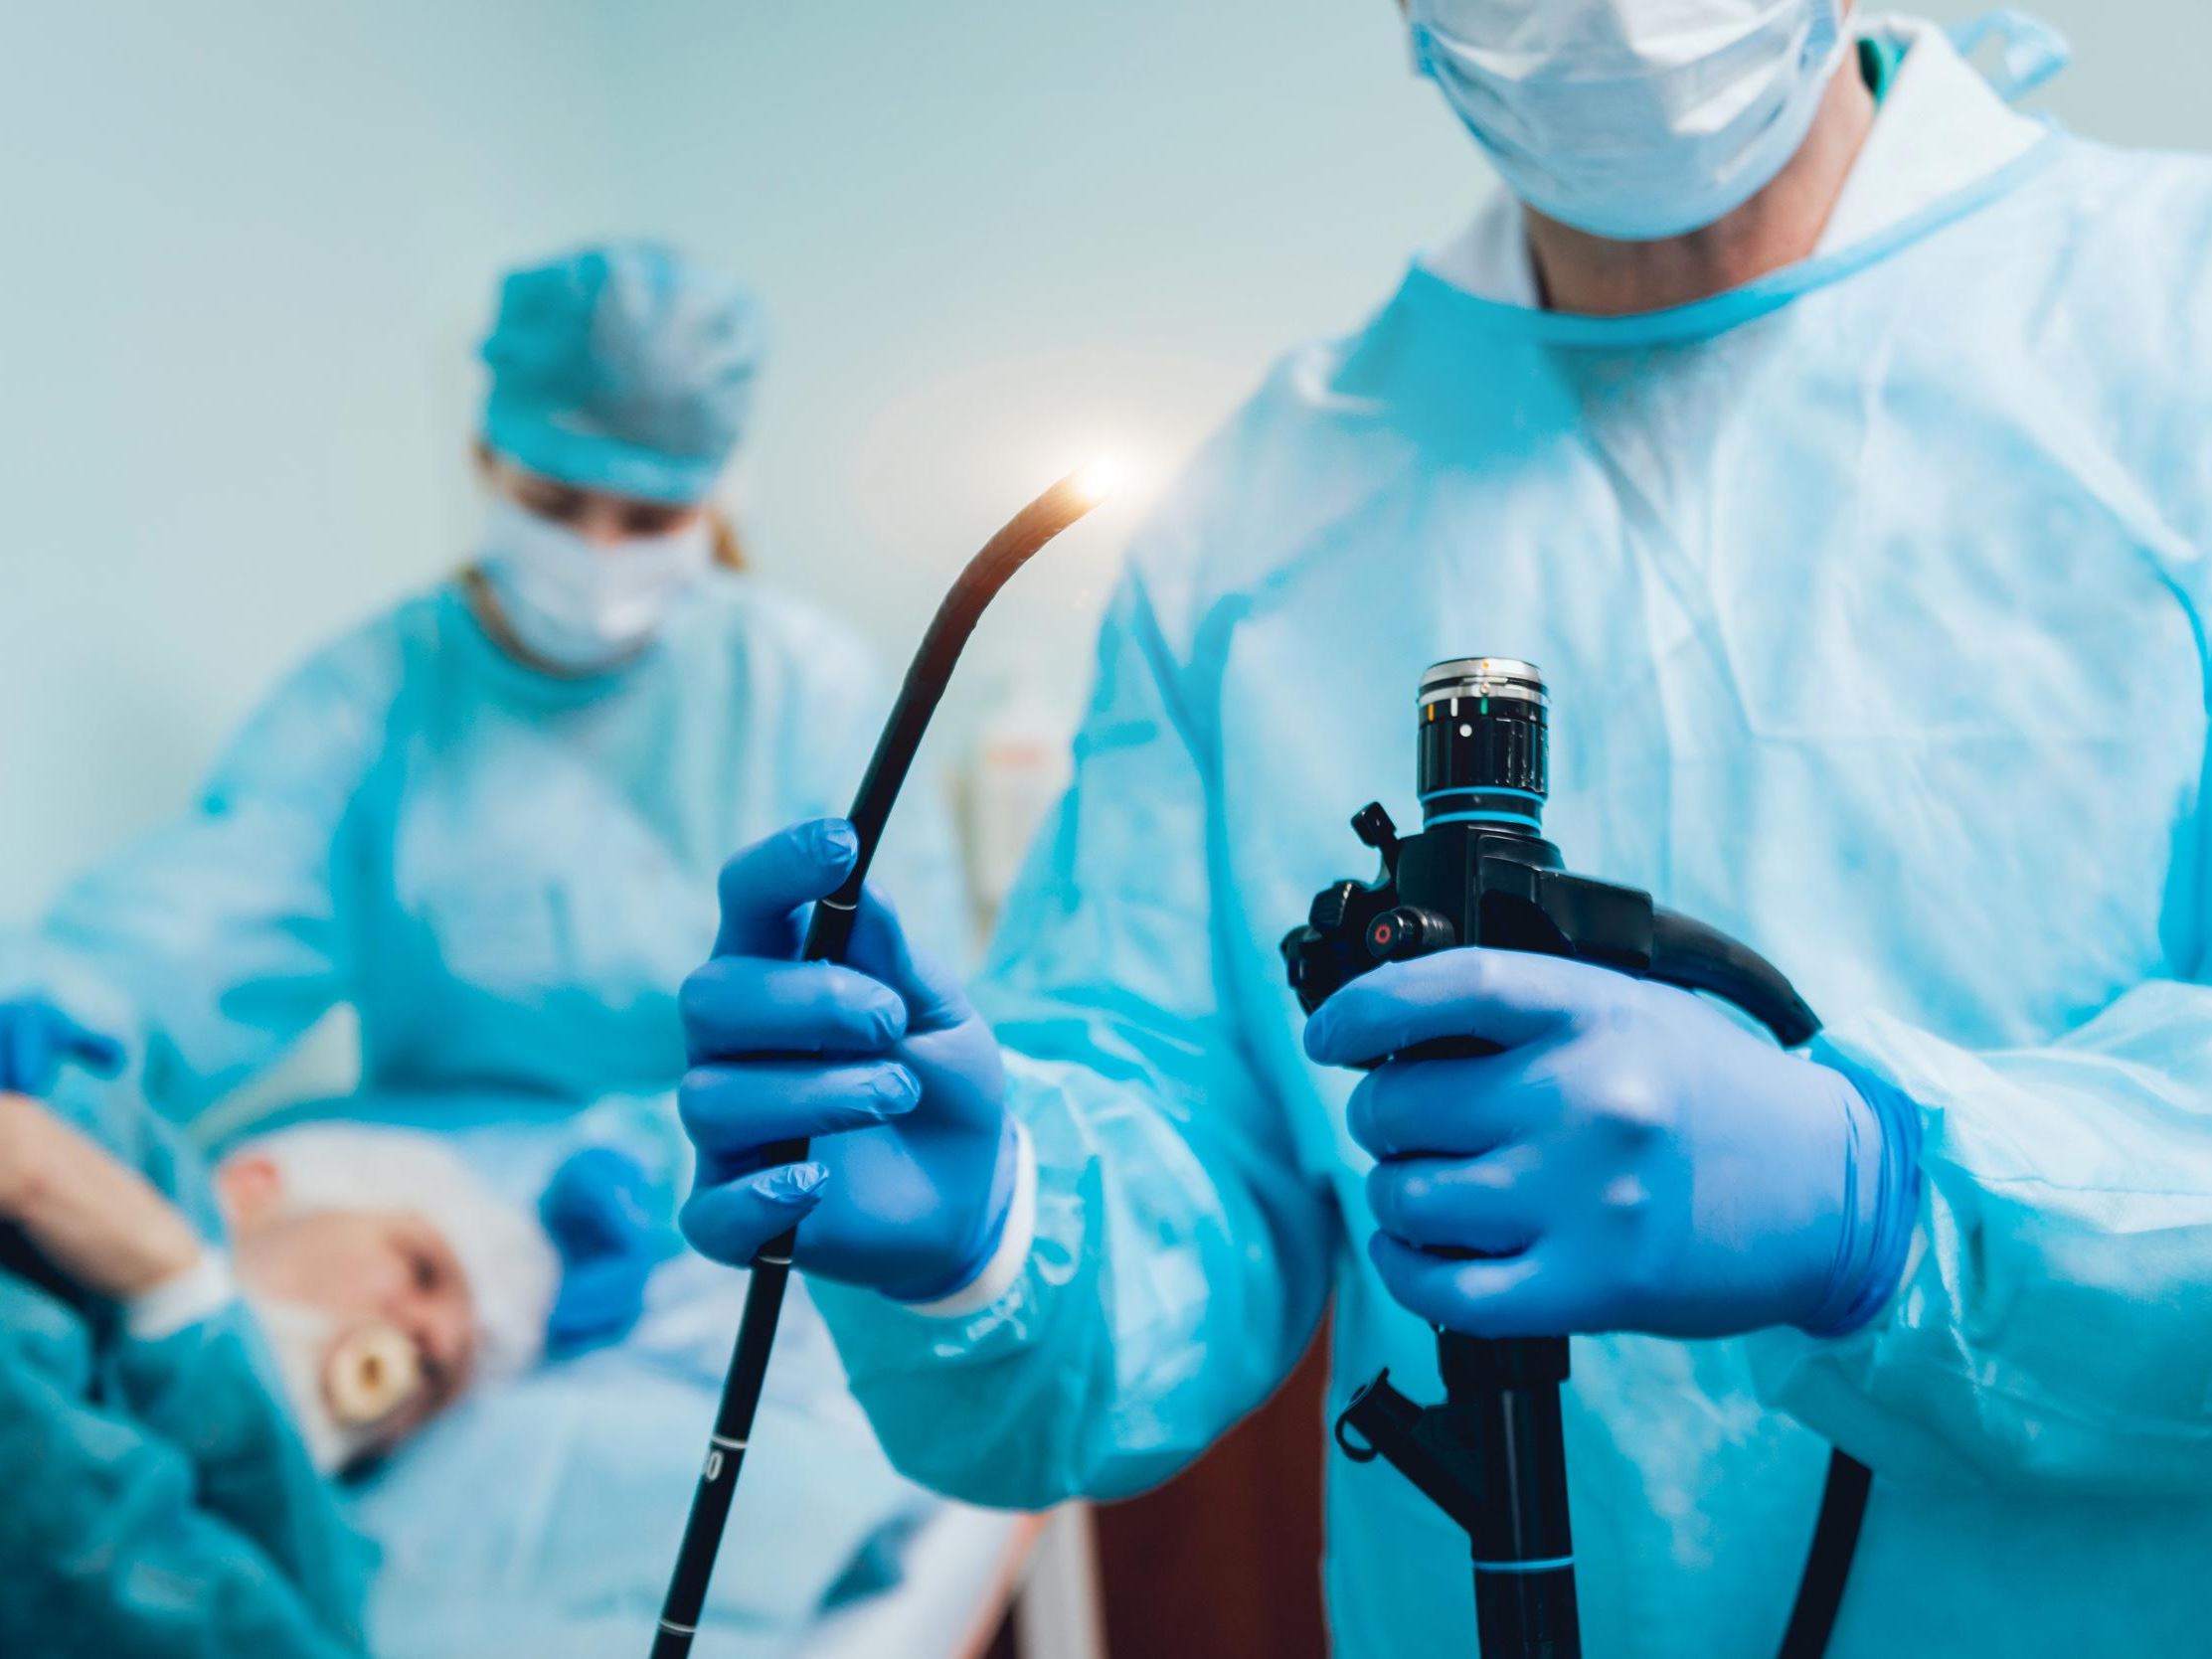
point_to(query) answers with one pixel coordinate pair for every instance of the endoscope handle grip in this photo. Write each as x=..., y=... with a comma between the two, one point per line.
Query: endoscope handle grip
x=1687, y=954
x=1450, y=1047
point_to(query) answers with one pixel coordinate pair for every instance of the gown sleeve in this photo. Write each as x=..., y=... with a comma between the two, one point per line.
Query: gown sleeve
x=1180, y=1258
x=175, y=1519
x=214, y=943
x=2054, y=1324
x=2053, y=1328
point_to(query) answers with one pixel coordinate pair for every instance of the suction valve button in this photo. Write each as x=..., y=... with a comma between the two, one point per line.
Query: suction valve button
x=1407, y=932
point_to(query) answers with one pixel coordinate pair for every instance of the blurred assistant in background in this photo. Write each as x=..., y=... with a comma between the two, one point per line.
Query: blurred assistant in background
x=488, y=821
x=1834, y=438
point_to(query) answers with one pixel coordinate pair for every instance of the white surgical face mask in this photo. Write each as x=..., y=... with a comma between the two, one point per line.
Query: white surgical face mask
x=1633, y=119
x=579, y=606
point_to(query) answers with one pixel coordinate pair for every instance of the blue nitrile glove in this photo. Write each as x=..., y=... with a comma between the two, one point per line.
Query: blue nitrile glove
x=881, y=1061
x=600, y=1212
x=1633, y=1160
x=36, y=1039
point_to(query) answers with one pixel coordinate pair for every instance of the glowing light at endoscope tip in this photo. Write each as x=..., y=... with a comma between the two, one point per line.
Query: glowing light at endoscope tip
x=1097, y=478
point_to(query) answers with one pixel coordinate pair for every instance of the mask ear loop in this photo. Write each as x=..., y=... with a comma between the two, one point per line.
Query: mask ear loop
x=2029, y=51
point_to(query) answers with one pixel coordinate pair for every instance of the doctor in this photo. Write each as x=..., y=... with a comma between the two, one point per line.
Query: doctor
x=1836, y=440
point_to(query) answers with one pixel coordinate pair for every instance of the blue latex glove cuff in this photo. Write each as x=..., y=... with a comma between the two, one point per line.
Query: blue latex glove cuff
x=1882, y=1203
x=1004, y=1174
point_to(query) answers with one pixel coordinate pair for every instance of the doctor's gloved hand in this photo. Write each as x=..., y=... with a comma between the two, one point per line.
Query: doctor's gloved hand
x=36, y=1039
x=879, y=1062
x=1630, y=1160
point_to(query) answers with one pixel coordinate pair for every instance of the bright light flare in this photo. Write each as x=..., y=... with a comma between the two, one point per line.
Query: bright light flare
x=1097, y=480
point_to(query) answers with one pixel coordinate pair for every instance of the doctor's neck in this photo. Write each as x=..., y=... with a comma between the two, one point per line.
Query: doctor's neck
x=1779, y=226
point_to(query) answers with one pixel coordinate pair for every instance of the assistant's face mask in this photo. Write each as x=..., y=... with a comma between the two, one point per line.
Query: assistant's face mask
x=1633, y=120
x=580, y=606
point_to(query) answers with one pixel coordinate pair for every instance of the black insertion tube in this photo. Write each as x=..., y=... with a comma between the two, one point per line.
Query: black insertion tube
x=1503, y=1397
x=827, y=935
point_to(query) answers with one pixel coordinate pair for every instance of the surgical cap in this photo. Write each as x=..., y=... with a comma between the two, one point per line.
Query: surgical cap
x=511, y=1265
x=623, y=369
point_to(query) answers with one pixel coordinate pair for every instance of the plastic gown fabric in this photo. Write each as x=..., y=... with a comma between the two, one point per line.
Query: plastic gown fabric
x=507, y=874
x=1872, y=601
x=159, y=1502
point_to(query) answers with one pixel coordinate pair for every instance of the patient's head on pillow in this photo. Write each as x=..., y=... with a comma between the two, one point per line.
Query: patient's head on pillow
x=387, y=1277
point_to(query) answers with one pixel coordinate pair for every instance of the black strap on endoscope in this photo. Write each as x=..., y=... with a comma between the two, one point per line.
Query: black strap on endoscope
x=1836, y=1535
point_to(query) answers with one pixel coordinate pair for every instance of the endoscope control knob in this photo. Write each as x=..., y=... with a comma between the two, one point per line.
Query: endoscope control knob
x=1331, y=906
x=1373, y=826
x=1407, y=932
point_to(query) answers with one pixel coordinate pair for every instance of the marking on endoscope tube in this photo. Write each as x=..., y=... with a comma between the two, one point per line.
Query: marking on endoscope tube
x=675, y=1629
x=1552, y=1564
x=725, y=1441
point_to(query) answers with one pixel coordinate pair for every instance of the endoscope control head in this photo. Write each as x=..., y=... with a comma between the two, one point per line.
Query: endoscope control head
x=1483, y=744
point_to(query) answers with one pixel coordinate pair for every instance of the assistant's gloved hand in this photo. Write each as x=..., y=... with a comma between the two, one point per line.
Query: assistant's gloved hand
x=36, y=1039
x=608, y=1218
x=882, y=1061
x=1631, y=1160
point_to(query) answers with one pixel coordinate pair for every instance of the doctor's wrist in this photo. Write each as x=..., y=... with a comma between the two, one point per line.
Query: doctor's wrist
x=998, y=1241
x=1881, y=1198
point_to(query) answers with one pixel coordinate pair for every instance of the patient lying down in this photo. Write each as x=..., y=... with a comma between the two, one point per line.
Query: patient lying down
x=383, y=1274
x=164, y=1494
x=371, y=1286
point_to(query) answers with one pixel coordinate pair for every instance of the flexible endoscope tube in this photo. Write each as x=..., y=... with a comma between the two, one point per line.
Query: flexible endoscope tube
x=827, y=935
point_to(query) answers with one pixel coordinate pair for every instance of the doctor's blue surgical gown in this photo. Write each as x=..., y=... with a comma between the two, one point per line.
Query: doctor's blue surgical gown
x=1873, y=599
x=508, y=875
x=155, y=1499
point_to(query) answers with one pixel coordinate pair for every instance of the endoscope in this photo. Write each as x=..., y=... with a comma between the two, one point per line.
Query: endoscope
x=1492, y=1456
x=828, y=932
